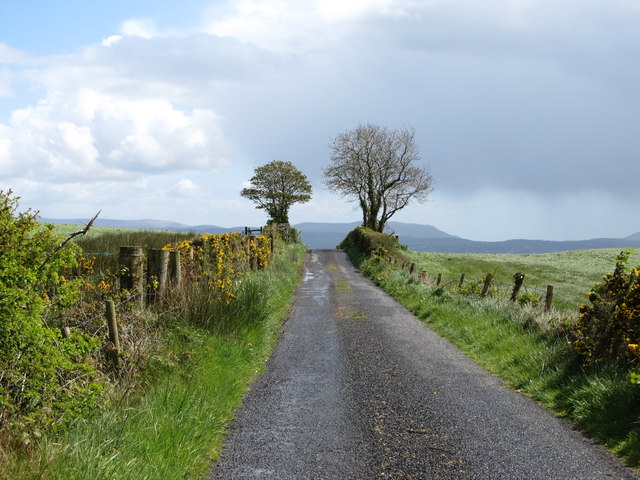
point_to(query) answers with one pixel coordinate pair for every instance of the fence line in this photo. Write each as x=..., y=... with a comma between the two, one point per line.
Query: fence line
x=511, y=290
x=156, y=278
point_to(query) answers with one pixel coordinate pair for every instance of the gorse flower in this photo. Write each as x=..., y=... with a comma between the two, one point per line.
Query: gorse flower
x=221, y=259
x=609, y=327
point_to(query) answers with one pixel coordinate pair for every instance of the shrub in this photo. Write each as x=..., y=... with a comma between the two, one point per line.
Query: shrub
x=529, y=298
x=45, y=379
x=369, y=241
x=283, y=231
x=609, y=327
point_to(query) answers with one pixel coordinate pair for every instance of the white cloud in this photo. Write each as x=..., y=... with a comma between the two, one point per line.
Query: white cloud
x=111, y=40
x=294, y=26
x=10, y=55
x=92, y=135
x=139, y=28
x=339, y=10
x=186, y=187
x=6, y=78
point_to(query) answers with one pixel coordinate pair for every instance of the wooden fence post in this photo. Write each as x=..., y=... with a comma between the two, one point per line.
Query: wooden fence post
x=519, y=280
x=461, y=280
x=130, y=267
x=253, y=256
x=487, y=285
x=439, y=280
x=157, y=263
x=247, y=251
x=175, y=269
x=412, y=267
x=112, y=323
x=549, y=299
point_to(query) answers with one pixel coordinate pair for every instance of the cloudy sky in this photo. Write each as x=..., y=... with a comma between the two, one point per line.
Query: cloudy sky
x=527, y=112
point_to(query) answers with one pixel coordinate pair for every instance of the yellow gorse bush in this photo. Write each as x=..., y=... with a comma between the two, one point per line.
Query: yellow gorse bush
x=220, y=259
x=609, y=326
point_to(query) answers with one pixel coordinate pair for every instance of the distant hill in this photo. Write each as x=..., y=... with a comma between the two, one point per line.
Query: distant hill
x=426, y=238
x=329, y=235
x=461, y=245
x=635, y=236
x=420, y=238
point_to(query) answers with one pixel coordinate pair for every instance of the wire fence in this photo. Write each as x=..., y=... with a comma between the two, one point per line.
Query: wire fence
x=136, y=278
x=482, y=284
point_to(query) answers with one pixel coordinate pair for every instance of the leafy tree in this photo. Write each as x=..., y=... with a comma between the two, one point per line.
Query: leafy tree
x=377, y=168
x=46, y=378
x=275, y=187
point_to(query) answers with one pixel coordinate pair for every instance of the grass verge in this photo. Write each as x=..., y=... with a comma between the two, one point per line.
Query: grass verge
x=174, y=426
x=529, y=351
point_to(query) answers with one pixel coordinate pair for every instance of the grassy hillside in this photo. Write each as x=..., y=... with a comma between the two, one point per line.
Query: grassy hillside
x=573, y=273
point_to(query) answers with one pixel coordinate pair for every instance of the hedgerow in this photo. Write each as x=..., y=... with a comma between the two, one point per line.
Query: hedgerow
x=46, y=379
x=369, y=241
x=52, y=300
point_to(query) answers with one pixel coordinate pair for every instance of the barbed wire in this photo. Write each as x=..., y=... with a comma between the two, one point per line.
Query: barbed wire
x=118, y=305
x=109, y=254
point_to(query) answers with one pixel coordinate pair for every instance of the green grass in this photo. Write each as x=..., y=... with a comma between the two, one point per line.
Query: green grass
x=174, y=426
x=525, y=347
x=66, y=229
x=572, y=274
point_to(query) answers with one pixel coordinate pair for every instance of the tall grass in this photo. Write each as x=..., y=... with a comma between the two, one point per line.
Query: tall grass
x=528, y=349
x=110, y=241
x=173, y=426
x=105, y=244
x=212, y=310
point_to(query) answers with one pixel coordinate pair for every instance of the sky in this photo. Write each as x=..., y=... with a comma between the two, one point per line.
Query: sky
x=526, y=112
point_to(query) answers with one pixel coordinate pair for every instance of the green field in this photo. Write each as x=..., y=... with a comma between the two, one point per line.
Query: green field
x=103, y=243
x=66, y=229
x=572, y=273
x=106, y=239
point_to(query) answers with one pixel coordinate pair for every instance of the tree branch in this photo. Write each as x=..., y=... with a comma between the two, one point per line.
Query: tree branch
x=68, y=239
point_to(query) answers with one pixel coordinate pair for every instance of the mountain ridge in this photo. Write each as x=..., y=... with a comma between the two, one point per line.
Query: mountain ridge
x=417, y=237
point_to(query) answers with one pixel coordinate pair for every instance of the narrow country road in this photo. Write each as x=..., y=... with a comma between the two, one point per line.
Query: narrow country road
x=358, y=388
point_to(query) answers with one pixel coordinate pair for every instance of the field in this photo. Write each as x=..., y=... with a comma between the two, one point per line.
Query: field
x=66, y=229
x=572, y=273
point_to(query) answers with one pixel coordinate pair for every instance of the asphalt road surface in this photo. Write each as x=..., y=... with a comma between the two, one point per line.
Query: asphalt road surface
x=358, y=388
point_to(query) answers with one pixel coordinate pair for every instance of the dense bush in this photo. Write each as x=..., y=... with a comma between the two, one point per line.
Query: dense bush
x=282, y=231
x=609, y=327
x=45, y=379
x=369, y=241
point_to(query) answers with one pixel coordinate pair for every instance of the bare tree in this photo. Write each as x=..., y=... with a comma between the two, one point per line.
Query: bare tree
x=376, y=167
